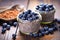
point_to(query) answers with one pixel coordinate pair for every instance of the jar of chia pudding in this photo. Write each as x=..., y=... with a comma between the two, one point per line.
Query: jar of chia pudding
x=47, y=12
x=29, y=22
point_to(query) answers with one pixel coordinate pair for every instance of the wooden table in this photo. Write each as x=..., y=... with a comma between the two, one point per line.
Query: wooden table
x=33, y=3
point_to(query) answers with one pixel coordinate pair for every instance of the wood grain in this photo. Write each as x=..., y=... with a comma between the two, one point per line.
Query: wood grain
x=33, y=3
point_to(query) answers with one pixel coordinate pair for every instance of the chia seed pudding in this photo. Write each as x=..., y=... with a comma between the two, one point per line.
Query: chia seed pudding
x=47, y=12
x=29, y=22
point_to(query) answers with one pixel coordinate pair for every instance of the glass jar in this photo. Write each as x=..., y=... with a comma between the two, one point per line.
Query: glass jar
x=27, y=27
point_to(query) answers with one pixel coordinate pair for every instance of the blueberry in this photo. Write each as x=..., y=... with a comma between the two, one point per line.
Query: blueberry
x=51, y=30
x=44, y=7
x=4, y=25
x=46, y=32
x=29, y=11
x=53, y=25
x=8, y=27
x=40, y=9
x=25, y=12
x=51, y=8
x=55, y=28
x=47, y=6
x=30, y=19
x=35, y=35
x=14, y=36
x=37, y=8
x=34, y=14
x=46, y=28
x=15, y=24
x=21, y=15
x=37, y=17
x=31, y=34
x=43, y=33
x=3, y=30
x=41, y=6
x=25, y=15
x=29, y=15
x=39, y=31
x=50, y=5
x=40, y=34
x=47, y=9
x=34, y=18
x=58, y=21
x=23, y=18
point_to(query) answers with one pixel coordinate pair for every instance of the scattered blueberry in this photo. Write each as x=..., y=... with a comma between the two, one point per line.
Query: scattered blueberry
x=15, y=24
x=58, y=21
x=40, y=34
x=4, y=25
x=3, y=30
x=31, y=34
x=39, y=31
x=46, y=32
x=14, y=36
x=46, y=28
x=53, y=25
x=35, y=35
x=43, y=33
x=8, y=27
x=51, y=30
x=55, y=28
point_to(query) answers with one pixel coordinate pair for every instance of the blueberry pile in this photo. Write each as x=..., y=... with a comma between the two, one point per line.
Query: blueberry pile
x=45, y=7
x=44, y=31
x=28, y=15
x=6, y=26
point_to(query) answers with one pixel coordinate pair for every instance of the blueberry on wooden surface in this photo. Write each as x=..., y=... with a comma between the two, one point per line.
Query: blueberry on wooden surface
x=8, y=27
x=14, y=36
x=15, y=24
x=4, y=25
x=3, y=30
